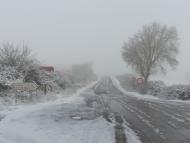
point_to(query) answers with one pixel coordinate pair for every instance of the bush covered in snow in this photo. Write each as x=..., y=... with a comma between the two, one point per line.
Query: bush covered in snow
x=176, y=92
x=9, y=74
x=74, y=77
x=18, y=66
x=63, y=80
x=155, y=87
x=158, y=88
x=33, y=75
x=19, y=56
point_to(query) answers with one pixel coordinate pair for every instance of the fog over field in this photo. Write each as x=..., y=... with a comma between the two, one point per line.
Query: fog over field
x=64, y=32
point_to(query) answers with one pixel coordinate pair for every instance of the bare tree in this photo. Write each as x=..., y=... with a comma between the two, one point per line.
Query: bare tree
x=82, y=73
x=15, y=55
x=151, y=49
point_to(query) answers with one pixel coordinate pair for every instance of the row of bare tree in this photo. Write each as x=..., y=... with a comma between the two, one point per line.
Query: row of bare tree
x=21, y=59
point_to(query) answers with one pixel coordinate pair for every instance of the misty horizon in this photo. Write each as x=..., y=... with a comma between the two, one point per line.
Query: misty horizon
x=62, y=33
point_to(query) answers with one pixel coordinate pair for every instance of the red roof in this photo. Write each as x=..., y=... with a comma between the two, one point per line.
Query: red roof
x=47, y=68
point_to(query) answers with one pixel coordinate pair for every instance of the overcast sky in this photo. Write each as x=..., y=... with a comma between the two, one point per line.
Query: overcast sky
x=64, y=32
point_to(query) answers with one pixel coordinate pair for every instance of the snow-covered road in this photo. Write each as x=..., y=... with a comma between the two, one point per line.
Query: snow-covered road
x=153, y=120
x=67, y=120
x=78, y=118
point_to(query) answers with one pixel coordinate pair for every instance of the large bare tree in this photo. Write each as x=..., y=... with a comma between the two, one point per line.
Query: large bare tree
x=16, y=56
x=152, y=49
x=19, y=57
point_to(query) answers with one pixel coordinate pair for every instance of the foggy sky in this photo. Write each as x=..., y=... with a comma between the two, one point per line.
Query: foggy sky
x=64, y=32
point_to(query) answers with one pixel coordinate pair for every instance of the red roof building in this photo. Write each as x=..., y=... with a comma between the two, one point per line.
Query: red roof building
x=47, y=68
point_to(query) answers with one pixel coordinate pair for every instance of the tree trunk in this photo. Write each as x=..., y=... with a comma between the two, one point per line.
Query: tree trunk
x=145, y=86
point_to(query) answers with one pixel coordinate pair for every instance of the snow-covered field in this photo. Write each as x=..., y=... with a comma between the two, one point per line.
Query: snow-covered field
x=59, y=121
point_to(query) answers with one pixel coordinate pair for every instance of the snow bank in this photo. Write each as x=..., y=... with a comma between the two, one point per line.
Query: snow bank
x=133, y=94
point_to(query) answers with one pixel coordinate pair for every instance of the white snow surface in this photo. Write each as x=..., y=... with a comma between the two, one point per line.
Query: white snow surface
x=134, y=94
x=53, y=122
x=131, y=136
x=145, y=96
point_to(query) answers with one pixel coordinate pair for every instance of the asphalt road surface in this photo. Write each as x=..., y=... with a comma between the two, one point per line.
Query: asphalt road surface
x=154, y=121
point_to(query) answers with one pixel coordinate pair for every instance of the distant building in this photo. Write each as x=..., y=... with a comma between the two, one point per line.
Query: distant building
x=49, y=69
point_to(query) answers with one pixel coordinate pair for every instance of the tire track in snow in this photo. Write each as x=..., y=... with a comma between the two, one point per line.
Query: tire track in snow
x=175, y=115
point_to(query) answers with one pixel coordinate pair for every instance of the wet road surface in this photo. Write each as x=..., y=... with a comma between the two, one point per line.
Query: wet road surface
x=154, y=121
